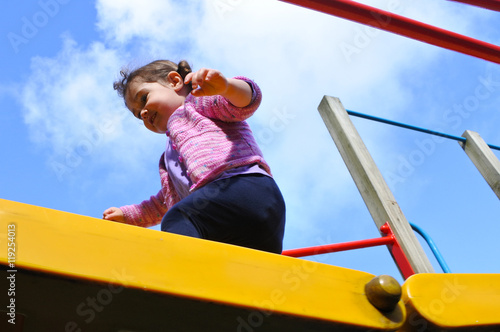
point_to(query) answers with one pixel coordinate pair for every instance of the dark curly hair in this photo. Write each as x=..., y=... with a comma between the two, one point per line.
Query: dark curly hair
x=155, y=71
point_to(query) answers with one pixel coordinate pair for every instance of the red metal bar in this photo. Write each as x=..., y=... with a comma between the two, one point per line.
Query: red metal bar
x=404, y=26
x=488, y=4
x=324, y=249
x=389, y=239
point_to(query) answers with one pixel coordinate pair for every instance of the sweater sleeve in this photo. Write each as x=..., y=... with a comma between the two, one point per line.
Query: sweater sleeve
x=218, y=107
x=146, y=214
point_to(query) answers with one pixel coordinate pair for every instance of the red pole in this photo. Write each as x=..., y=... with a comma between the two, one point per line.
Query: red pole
x=404, y=26
x=488, y=4
x=324, y=249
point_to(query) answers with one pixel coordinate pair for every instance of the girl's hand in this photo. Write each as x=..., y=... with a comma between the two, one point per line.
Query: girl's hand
x=114, y=214
x=210, y=82
x=207, y=82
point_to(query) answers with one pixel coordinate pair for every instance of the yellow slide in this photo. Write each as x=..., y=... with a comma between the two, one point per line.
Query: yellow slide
x=66, y=272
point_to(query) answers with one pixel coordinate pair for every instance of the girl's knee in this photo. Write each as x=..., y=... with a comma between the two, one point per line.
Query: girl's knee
x=177, y=222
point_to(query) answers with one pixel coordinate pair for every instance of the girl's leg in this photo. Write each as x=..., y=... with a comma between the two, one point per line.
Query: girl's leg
x=246, y=210
x=177, y=221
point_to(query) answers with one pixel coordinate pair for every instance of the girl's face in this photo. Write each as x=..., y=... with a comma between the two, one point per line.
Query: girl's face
x=154, y=102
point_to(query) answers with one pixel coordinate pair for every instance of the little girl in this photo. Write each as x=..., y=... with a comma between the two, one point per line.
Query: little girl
x=215, y=183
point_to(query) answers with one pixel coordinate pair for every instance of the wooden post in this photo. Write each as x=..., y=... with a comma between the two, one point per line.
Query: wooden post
x=372, y=186
x=484, y=159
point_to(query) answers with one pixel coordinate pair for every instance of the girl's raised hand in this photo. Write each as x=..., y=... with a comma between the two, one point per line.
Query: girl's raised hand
x=210, y=82
x=207, y=82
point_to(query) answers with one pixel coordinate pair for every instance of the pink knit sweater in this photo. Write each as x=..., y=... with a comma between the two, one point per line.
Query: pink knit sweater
x=211, y=136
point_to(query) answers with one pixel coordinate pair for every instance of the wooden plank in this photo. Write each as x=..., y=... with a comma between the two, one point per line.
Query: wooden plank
x=76, y=273
x=372, y=186
x=484, y=159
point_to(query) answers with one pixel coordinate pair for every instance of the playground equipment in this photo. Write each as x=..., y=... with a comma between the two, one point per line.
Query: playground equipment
x=66, y=272
x=76, y=273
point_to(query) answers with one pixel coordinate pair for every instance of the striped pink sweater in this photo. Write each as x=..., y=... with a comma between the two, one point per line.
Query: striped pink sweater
x=211, y=136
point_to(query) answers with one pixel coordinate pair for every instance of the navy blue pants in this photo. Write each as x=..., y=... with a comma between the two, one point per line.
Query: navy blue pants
x=245, y=210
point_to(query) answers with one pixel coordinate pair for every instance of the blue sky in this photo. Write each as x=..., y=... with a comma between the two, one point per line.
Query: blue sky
x=69, y=144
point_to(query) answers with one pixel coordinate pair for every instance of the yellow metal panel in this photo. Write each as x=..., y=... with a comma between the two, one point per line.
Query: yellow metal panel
x=76, y=247
x=452, y=301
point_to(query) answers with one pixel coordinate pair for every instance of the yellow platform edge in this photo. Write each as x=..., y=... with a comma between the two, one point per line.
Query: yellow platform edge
x=87, y=248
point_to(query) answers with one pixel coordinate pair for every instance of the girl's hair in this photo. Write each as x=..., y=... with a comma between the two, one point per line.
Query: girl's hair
x=155, y=71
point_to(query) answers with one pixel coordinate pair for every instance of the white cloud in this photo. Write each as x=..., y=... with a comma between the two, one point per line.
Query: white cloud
x=149, y=27
x=125, y=20
x=71, y=108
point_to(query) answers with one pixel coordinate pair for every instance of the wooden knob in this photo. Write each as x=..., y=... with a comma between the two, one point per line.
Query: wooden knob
x=383, y=292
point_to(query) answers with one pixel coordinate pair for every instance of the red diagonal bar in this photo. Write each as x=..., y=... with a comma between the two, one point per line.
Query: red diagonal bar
x=398, y=255
x=488, y=4
x=404, y=26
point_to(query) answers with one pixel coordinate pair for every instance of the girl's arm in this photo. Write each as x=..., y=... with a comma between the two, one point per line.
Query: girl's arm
x=210, y=82
x=238, y=93
x=146, y=214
